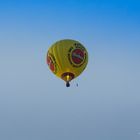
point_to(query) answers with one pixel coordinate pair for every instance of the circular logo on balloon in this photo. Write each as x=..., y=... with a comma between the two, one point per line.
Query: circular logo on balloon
x=77, y=55
x=51, y=62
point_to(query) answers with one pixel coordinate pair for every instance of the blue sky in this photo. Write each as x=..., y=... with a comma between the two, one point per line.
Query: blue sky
x=34, y=104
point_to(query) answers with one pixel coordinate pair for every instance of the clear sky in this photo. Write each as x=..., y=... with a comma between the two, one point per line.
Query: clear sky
x=35, y=105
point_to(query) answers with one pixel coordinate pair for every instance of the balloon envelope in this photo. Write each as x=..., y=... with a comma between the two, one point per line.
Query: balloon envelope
x=67, y=59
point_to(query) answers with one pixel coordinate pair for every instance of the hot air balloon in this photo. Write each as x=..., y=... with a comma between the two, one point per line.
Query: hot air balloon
x=67, y=59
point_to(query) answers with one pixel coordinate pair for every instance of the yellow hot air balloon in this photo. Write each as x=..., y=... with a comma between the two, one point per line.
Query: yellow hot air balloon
x=67, y=59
